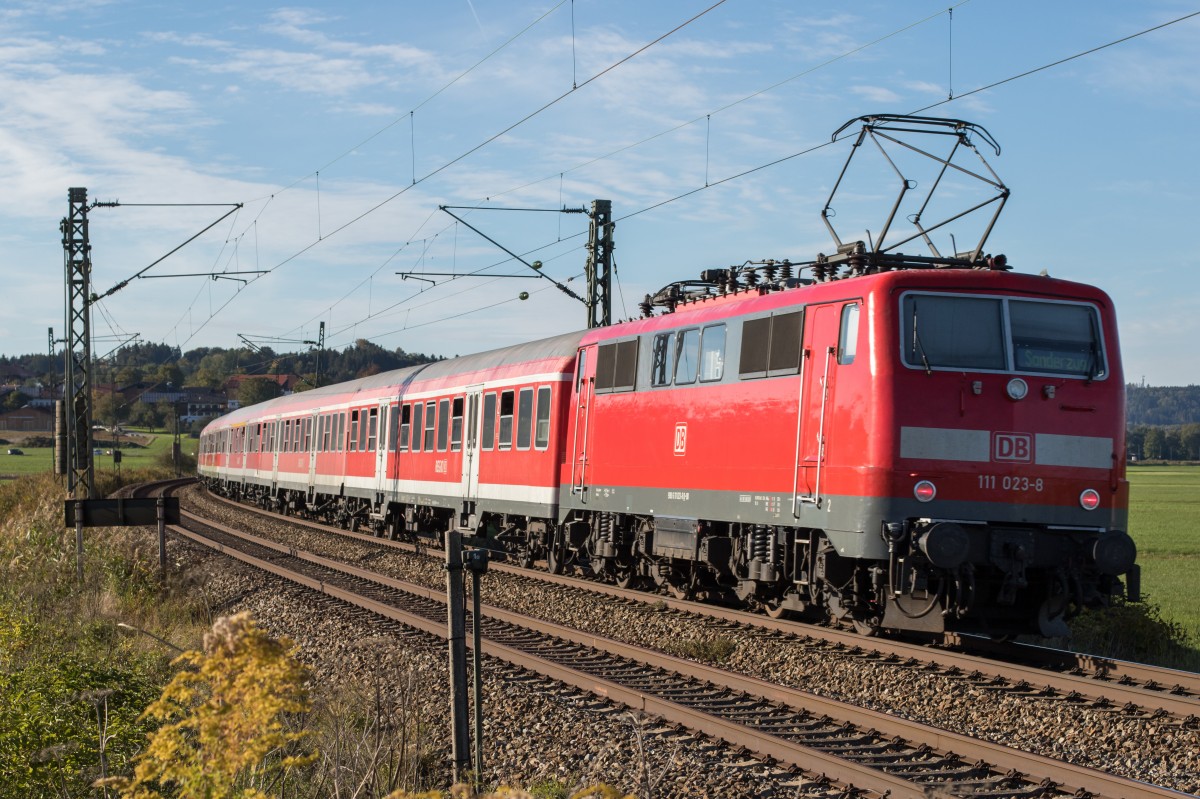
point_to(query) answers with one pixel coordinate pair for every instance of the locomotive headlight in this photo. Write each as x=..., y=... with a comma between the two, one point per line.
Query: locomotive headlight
x=924, y=491
x=1090, y=499
x=1017, y=389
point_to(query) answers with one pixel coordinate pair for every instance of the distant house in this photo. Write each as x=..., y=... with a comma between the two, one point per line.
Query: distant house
x=162, y=392
x=28, y=420
x=286, y=383
x=203, y=403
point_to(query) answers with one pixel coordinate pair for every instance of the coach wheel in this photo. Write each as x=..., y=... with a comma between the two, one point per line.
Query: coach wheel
x=525, y=558
x=354, y=524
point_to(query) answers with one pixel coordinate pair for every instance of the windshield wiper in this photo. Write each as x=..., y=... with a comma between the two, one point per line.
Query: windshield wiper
x=917, y=346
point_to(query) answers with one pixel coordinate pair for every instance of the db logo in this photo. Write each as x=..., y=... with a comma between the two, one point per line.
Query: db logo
x=681, y=438
x=1015, y=447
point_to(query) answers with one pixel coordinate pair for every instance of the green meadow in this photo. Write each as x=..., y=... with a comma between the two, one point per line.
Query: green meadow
x=1164, y=520
x=138, y=451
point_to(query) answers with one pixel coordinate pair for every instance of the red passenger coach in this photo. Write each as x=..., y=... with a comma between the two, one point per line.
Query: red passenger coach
x=897, y=442
x=416, y=449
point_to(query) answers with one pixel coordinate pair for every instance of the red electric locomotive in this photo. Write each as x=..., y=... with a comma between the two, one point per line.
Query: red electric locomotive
x=908, y=443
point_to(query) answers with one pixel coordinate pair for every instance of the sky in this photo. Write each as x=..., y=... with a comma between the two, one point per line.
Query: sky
x=341, y=128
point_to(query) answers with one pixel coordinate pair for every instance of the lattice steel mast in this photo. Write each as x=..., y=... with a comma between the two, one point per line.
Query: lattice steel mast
x=77, y=355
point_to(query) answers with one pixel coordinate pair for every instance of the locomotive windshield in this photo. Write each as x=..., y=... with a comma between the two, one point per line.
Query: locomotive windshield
x=953, y=331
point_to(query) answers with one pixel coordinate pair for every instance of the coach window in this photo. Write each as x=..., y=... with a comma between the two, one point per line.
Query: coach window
x=489, y=420
x=429, y=426
x=524, y=418
x=394, y=427
x=541, y=438
x=662, y=364
x=506, y=419
x=712, y=354
x=418, y=415
x=456, y=425
x=341, y=431
x=288, y=427
x=687, y=356
x=353, y=431
x=443, y=424
x=848, y=337
x=405, y=426
x=372, y=430
x=362, y=430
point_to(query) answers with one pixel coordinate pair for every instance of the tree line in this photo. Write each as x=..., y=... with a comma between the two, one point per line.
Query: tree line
x=210, y=367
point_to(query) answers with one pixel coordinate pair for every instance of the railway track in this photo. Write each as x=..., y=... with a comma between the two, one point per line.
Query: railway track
x=868, y=751
x=1135, y=688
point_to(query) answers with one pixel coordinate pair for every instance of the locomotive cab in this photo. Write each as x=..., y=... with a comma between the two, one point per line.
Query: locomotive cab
x=1009, y=501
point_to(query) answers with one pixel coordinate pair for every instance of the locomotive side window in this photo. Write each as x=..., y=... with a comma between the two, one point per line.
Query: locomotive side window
x=687, y=356
x=524, y=418
x=541, y=438
x=626, y=372
x=489, y=420
x=848, y=337
x=372, y=430
x=456, y=425
x=405, y=427
x=582, y=369
x=616, y=366
x=418, y=415
x=663, y=359
x=429, y=426
x=353, y=431
x=785, y=343
x=712, y=354
x=756, y=338
x=1055, y=338
x=506, y=419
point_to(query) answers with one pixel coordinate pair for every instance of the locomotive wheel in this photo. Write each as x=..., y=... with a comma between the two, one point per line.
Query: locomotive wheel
x=555, y=558
x=867, y=627
x=774, y=608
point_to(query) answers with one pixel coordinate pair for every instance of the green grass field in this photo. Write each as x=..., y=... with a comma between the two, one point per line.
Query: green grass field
x=1164, y=520
x=40, y=459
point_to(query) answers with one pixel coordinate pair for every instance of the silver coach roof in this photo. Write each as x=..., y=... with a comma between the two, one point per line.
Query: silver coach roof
x=563, y=346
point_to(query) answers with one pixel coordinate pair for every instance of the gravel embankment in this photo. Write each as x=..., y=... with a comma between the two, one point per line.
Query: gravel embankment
x=1150, y=750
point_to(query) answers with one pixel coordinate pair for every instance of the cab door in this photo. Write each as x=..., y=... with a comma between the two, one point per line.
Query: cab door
x=581, y=439
x=819, y=373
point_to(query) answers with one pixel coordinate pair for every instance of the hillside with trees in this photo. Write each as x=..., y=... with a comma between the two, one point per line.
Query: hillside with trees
x=210, y=367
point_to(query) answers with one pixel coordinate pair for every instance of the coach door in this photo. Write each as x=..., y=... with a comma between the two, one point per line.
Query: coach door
x=470, y=455
x=818, y=372
x=377, y=422
x=310, y=441
x=585, y=384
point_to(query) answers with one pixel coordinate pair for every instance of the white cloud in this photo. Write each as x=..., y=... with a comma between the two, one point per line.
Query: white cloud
x=876, y=94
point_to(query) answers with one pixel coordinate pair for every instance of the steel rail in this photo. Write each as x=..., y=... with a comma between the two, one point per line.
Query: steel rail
x=1000, y=757
x=1090, y=677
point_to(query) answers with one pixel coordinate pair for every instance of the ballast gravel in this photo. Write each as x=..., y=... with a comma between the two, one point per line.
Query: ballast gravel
x=536, y=731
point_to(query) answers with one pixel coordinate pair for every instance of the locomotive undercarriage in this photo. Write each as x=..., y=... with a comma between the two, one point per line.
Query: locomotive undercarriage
x=938, y=575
